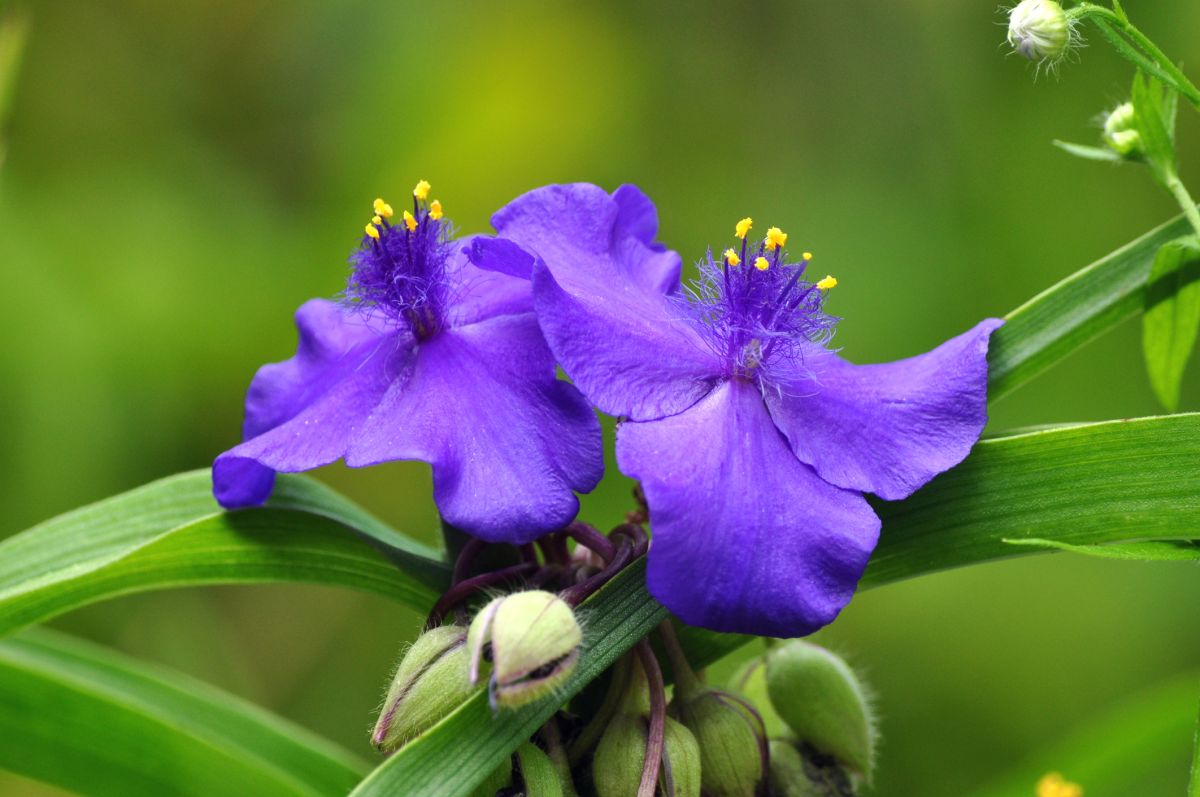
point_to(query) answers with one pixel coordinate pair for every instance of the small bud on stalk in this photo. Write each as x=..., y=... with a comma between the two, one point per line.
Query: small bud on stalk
x=621, y=754
x=430, y=682
x=1120, y=131
x=532, y=639
x=1039, y=30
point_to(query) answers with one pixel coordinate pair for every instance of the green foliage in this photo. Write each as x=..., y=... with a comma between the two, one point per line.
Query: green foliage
x=94, y=722
x=1172, y=316
x=171, y=533
x=1139, y=551
x=1089, y=153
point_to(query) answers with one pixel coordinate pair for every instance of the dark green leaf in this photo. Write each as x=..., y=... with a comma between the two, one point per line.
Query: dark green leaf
x=460, y=751
x=1064, y=317
x=1136, y=551
x=171, y=533
x=94, y=722
x=1194, y=788
x=1172, y=316
x=1089, y=153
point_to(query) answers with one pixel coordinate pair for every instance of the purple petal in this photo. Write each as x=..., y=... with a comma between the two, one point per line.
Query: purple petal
x=300, y=412
x=636, y=215
x=888, y=429
x=477, y=294
x=746, y=538
x=508, y=442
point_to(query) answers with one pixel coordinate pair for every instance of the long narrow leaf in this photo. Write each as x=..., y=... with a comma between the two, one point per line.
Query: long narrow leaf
x=94, y=722
x=1172, y=316
x=171, y=533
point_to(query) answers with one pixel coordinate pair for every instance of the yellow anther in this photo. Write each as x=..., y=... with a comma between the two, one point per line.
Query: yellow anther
x=1054, y=785
x=731, y=257
x=422, y=190
x=435, y=210
x=743, y=227
x=761, y=263
x=807, y=255
x=371, y=231
x=827, y=283
x=383, y=209
x=409, y=221
x=776, y=238
x=376, y=220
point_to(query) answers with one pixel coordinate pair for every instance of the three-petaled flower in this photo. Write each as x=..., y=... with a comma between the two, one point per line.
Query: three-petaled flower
x=753, y=441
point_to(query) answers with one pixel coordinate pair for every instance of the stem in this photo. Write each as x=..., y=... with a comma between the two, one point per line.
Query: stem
x=465, y=589
x=656, y=736
x=1180, y=192
x=589, y=737
x=686, y=680
x=590, y=537
x=558, y=756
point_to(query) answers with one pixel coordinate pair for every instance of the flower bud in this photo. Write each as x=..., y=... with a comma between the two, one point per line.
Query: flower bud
x=430, y=682
x=621, y=754
x=533, y=641
x=822, y=701
x=801, y=772
x=538, y=772
x=1039, y=30
x=1120, y=131
x=501, y=778
x=730, y=742
x=750, y=681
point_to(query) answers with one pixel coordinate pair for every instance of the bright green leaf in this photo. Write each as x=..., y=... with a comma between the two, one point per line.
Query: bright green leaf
x=1136, y=551
x=94, y=722
x=1194, y=788
x=1172, y=316
x=171, y=533
x=1148, y=97
x=1089, y=153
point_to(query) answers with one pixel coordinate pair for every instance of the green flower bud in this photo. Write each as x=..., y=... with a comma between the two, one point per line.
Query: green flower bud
x=538, y=772
x=533, y=641
x=430, y=682
x=799, y=772
x=621, y=754
x=730, y=741
x=822, y=701
x=500, y=779
x=1120, y=131
x=750, y=681
x=1039, y=30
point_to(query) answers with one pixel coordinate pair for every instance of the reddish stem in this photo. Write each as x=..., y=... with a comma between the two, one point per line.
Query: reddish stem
x=468, y=587
x=656, y=736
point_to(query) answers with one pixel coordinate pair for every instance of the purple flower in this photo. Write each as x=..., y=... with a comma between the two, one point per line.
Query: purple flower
x=430, y=358
x=753, y=441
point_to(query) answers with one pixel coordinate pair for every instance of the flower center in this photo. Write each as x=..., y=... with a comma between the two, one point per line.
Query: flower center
x=755, y=308
x=399, y=268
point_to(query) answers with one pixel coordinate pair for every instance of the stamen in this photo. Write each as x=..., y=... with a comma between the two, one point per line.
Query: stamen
x=376, y=220
x=807, y=256
x=776, y=239
x=422, y=190
x=383, y=209
x=371, y=231
x=410, y=221
x=761, y=263
x=731, y=258
x=743, y=227
x=435, y=210
x=827, y=283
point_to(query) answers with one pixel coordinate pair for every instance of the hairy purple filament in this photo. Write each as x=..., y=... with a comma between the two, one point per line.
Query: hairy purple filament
x=757, y=319
x=402, y=273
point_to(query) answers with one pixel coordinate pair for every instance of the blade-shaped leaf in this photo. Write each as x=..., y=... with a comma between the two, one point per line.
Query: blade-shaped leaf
x=1067, y=315
x=1137, y=551
x=94, y=722
x=1089, y=153
x=455, y=755
x=171, y=533
x=1172, y=316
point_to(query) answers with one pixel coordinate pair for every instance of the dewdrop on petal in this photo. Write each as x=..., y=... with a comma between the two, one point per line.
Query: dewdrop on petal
x=1120, y=131
x=1039, y=30
x=533, y=641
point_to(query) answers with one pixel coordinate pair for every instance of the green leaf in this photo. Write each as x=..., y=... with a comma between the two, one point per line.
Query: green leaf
x=1149, y=102
x=1172, y=316
x=1089, y=153
x=458, y=753
x=1064, y=317
x=1194, y=788
x=171, y=533
x=86, y=719
x=1137, y=551
x=1126, y=750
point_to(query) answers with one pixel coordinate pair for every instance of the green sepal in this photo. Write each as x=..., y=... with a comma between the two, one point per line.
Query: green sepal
x=538, y=772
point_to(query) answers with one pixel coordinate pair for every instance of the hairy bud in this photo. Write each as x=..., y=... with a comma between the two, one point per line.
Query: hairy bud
x=730, y=739
x=802, y=772
x=533, y=641
x=1039, y=30
x=430, y=682
x=1120, y=131
x=822, y=701
x=538, y=772
x=617, y=766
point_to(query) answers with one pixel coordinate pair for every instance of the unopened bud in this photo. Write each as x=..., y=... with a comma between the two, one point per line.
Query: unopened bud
x=1120, y=131
x=750, y=681
x=533, y=641
x=621, y=754
x=430, y=682
x=538, y=772
x=1039, y=30
x=801, y=772
x=730, y=738
x=500, y=779
x=822, y=701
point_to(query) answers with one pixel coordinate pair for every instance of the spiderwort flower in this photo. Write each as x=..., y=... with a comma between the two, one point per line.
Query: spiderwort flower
x=754, y=442
x=429, y=358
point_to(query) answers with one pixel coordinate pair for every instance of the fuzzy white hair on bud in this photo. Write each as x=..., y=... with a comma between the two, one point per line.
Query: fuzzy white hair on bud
x=1041, y=31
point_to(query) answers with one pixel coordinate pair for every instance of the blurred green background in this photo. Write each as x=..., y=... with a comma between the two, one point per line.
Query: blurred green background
x=180, y=176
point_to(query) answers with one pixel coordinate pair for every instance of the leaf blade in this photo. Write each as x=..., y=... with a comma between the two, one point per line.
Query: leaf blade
x=1171, y=319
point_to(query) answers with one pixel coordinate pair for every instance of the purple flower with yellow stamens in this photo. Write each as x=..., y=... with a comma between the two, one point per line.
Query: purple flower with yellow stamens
x=426, y=357
x=754, y=441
